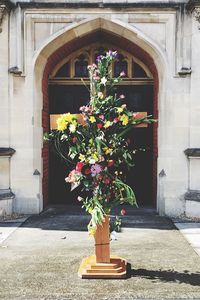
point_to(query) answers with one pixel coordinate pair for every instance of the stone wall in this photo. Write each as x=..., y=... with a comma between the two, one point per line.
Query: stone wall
x=166, y=31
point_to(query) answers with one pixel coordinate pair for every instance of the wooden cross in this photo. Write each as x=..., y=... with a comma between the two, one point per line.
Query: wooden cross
x=54, y=117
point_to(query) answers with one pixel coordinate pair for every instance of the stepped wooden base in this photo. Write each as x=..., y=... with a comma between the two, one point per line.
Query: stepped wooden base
x=116, y=269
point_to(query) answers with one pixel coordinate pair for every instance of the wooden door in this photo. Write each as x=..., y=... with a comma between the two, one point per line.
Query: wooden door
x=68, y=98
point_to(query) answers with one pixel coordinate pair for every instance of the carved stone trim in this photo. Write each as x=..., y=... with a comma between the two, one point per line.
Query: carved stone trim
x=194, y=7
x=196, y=13
x=3, y=10
x=192, y=195
x=6, y=151
x=5, y=6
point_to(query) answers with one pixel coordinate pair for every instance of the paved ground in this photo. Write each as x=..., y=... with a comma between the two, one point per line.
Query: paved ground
x=40, y=260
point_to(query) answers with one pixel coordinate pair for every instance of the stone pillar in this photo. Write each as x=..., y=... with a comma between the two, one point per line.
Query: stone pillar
x=6, y=195
x=192, y=197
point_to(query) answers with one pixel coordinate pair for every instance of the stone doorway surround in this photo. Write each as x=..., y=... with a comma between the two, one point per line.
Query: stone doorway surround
x=70, y=47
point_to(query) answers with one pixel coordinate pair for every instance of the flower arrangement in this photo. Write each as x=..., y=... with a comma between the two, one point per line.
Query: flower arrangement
x=97, y=146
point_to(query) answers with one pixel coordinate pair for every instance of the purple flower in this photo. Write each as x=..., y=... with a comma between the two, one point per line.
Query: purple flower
x=96, y=169
x=99, y=58
x=113, y=54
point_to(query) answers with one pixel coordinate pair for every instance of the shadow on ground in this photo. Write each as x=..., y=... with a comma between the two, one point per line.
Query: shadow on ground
x=165, y=275
x=74, y=218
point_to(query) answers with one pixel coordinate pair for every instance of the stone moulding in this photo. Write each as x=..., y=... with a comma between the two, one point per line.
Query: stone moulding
x=196, y=13
x=100, y=4
x=194, y=7
x=192, y=152
x=192, y=195
x=6, y=151
x=7, y=194
x=5, y=6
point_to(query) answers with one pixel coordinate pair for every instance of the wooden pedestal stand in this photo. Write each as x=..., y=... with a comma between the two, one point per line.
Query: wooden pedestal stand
x=102, y=265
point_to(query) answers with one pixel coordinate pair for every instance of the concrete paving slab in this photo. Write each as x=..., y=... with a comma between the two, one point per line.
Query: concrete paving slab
x=193, y=239
x=42, y=257
x=9, y=226
x=191, y=232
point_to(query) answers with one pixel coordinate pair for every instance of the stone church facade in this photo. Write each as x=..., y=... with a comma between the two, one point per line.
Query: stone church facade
x=38, y=38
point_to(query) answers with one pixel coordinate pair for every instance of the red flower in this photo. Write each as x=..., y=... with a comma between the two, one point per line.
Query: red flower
x=123, y=212
x=79, y=166
x=99, y=125
x=87, y=171
x=107, y=181
x=110, y=163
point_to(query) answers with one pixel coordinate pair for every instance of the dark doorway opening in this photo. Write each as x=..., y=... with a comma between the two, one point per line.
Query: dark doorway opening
x=139, y=98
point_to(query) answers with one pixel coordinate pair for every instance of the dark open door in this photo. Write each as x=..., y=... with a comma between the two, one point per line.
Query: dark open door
x=68, y=98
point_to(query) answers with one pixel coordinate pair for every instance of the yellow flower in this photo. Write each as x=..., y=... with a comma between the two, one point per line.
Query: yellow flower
x=90, y=210
x=81, y=157
x=107, y=124
x=63, y=120
x=120, y=109
x=107, y=150
x=124, y=119
x=95, y=156
x=68, y=117
x=61, y=124
x=92, y=119
x=92, y=231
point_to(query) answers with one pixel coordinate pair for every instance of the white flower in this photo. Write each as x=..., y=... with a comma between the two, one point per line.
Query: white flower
x=72, y=128
x=92, y=161
x=104, y=80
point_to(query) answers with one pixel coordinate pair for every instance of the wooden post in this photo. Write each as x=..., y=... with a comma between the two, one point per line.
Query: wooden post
x=102, y=242
x=103, y=265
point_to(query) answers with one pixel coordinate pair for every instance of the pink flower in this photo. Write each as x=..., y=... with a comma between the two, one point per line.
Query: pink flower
x=71, y=177
x=135, y=115
x=101, y=117
x=89, y=67
x=100, y=95
x=123, y=212
x=96, y=78
x=107, y=181
x=79, y=166
x=121, y=96
x=122, y=74
x=74, y=140
x=116, y=120
x=96, y=169
x=80, y=199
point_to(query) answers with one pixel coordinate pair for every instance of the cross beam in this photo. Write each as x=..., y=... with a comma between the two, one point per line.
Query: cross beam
x=54, y=117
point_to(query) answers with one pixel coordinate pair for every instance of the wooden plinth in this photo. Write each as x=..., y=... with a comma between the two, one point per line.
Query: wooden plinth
x=115, y=269
x=102, y=265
